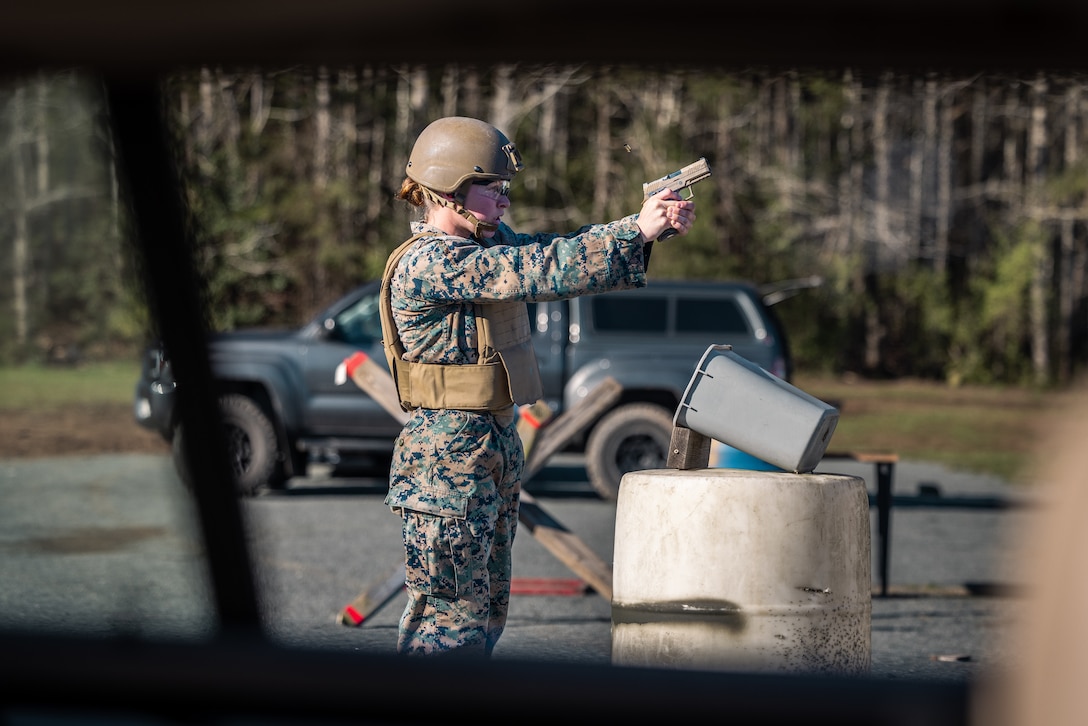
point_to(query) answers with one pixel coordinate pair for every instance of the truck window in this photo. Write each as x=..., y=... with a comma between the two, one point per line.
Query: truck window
x=710, y=315
x=361, y=323
x=630, y=314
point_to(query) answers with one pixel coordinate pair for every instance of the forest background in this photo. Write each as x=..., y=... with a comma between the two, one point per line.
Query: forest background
x=944, y=215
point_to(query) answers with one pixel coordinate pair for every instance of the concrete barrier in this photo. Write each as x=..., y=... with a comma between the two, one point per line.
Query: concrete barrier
x=725, y=569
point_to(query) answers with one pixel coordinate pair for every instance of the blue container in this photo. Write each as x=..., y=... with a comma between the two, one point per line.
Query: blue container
x=724, y=456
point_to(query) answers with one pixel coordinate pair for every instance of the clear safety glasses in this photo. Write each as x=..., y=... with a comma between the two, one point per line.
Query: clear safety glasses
x=494, y=189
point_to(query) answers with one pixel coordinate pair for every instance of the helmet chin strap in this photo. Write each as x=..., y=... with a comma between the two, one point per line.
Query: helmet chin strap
x=478, y=225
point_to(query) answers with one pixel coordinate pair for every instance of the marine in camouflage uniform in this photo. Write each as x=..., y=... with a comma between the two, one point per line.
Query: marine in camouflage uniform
x=456, y=473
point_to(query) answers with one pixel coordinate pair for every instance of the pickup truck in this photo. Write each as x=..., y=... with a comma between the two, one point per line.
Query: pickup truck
x=283, y=410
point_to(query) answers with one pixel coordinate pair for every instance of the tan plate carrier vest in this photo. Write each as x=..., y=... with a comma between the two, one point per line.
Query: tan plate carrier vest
x=506, y=372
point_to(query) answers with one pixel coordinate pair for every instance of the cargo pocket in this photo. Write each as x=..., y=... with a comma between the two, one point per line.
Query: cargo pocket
x=429, y=557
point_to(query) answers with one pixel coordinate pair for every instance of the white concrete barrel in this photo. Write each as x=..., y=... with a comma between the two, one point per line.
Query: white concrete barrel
x=728, y=569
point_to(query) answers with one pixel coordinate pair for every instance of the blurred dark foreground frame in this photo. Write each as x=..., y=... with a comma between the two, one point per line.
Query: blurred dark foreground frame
x=247, y=679
x=241, y=674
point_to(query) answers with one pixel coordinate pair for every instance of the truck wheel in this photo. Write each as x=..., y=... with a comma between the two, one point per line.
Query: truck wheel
x=251, y=446
x=629, y=438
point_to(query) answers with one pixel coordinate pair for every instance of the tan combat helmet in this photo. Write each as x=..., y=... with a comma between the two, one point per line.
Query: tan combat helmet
x=456, y=149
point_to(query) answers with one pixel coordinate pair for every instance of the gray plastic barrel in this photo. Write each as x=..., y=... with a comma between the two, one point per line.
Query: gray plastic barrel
x=732, y=400
x=725, y=569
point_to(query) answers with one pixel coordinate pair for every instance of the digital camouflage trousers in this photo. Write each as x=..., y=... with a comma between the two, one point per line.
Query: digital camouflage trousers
x=454, y=480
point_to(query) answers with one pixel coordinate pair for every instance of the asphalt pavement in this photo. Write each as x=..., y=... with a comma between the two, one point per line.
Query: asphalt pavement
x=108, y=545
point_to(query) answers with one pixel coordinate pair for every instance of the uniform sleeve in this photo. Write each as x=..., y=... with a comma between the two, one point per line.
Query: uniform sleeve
x=530, y=267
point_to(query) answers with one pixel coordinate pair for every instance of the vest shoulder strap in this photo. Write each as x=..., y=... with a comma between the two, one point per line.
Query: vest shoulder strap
x=391, y=342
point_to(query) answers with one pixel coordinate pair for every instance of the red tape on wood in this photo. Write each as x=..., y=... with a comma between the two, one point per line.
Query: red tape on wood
x=547, y=586
x=354, y=362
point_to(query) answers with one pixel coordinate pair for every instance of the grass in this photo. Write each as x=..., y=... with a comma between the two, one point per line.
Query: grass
x=990, y=430
x=51, y=388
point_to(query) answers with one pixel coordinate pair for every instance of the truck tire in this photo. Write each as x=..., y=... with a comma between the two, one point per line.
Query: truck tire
x=632, y=437
x=252, y=447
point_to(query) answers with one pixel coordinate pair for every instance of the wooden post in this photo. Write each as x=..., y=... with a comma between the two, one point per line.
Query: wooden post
x=688, y=449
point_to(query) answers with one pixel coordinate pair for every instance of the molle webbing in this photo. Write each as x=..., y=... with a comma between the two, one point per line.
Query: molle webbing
x=503, y=330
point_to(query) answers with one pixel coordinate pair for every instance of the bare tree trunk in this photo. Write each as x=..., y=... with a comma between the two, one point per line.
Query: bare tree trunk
x=409, y=106
x=260, y=108
x=779, y=132
x=322, y=130
x=115, y=195
x=1067, y=263
x=547, y=130
x=1010, y=157
x=503, y=108
x=562, y=134
x=867, y=269
x=377, y=134
x=41, y=136
x=1077, y=260
x=420, y=92
x=450, y=90
x=1067, y=301
x=882, y=162
x=759, y=133
x=344, y=167
x=918, y=147
x=185, y=122
x=404, y=132
x=931, y=130
x=203, y=127
x=553, y=139
x=945, y=133
x=320, y=179
x=725, y=193
x=602, y=162
x=668, y=100
x=784, y=141
x=21, y=242
x=856, y=167
x=979, y=121
x=1040, y=331
x=796, y=154
x=854, y=245
x=231, y=124
x=45, y=236
x=471, y=93
x=847, y=201
x=260, y=104
x=976, y=181
x=374, y=174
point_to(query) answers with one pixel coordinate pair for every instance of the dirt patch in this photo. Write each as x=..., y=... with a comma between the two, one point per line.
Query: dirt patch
x=75, y=430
